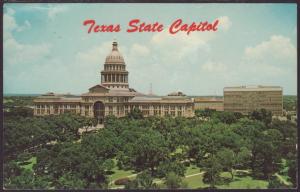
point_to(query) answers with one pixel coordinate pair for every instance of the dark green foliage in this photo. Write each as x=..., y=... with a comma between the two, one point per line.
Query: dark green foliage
x=262, y=115
x=166, y=167
x=30, y=133
x=135, y=114
x=212, y=167
x=290, y=102
x=204, y=113
x=152, y=146
x=174, y=181
x=274, y=183
x=18, y=112
x=145, y=181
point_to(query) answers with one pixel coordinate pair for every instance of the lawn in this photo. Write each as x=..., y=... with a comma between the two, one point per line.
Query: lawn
x=195, y=182
x=192, y=169
x=31, y=162
x=243, y=182
x=194, y=178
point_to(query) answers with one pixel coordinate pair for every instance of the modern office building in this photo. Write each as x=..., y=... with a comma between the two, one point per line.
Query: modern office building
x=245, y=99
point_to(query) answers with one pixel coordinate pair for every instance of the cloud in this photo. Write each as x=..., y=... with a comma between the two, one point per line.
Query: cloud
x=20, y=54
x=53, y=11
x=10, y=24
x=139, y=50
x=224, y=23
x=213, y=67
x=16, y=53
x=278, y=47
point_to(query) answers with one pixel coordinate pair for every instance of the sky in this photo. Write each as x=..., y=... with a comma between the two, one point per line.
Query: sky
x=47, y=47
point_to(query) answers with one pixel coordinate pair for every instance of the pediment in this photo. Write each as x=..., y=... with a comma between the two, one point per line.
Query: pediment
x=98, y=89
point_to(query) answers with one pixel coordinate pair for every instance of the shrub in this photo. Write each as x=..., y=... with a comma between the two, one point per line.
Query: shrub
x=122, y=181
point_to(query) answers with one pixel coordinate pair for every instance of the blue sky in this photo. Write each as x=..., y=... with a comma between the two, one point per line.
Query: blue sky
x=47, y=48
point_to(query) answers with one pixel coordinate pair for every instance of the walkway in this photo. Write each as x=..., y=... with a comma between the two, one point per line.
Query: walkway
x=89, y=129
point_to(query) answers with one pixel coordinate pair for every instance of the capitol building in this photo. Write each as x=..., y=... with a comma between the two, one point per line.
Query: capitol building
x=113, y=96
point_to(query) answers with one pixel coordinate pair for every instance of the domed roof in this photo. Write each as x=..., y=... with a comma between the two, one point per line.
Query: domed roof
x=114, y=57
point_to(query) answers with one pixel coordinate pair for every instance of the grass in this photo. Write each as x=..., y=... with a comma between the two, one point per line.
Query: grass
x=195, y=182
x=245, y=182
x=192, y=169
x=31, y=161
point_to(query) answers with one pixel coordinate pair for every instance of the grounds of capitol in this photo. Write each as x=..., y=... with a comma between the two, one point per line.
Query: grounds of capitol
x=136, y=25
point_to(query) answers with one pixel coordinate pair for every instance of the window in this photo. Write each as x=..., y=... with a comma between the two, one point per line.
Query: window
x=179, y=113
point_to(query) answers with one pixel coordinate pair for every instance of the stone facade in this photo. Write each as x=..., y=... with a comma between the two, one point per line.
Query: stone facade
x=114, y=97
x=246, y=99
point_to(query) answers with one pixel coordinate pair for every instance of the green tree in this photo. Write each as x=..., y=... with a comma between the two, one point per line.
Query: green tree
x=168, y=166
x=148, y=151
x=145, y=181
x=69, y=181
x=212, y=167
x=174, y=181
x=262, y=115
x=227, y=157
x=136, y=113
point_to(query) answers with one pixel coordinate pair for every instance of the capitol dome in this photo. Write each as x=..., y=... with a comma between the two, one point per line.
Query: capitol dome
x=114, y=57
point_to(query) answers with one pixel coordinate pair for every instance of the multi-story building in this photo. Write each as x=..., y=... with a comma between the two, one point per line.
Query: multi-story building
x=245, y=99
x=114, y=97
x=213, y=103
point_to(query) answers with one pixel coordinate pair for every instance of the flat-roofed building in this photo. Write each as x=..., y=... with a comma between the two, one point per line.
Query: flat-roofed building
x=245, y=99
x=214, y=103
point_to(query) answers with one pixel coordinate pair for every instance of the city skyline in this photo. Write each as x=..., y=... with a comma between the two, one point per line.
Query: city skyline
x=46, y=48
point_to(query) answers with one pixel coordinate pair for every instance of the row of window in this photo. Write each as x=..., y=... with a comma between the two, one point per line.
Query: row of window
x=115, y=78
x=72, y=106
x=114, y=67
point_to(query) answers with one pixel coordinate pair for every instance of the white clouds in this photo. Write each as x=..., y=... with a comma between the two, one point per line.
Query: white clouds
x=224, y=23
x=271, y=62
x=55, y=10
x=21, y=54
x=214, y=67
x=278, y=47
x=139, y=50
x=16, y=53
x=9, y=24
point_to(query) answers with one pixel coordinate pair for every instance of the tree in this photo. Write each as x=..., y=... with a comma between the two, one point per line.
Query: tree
x=136, y=113
x=69, y=181
x=225, y=117
x=174, y=181
x=262, y=115
x=274, y=183
x=212, y=167
x=293, y=169
x=242, y=158
x=227, y=157
x=204, y=113
x=168, y=166
x=145, y=181
x=25, y=179
x=148, y=151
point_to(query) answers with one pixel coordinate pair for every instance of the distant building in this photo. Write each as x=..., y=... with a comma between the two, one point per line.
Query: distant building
x=245, y=99
x=114, y=97
x=213, y=103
